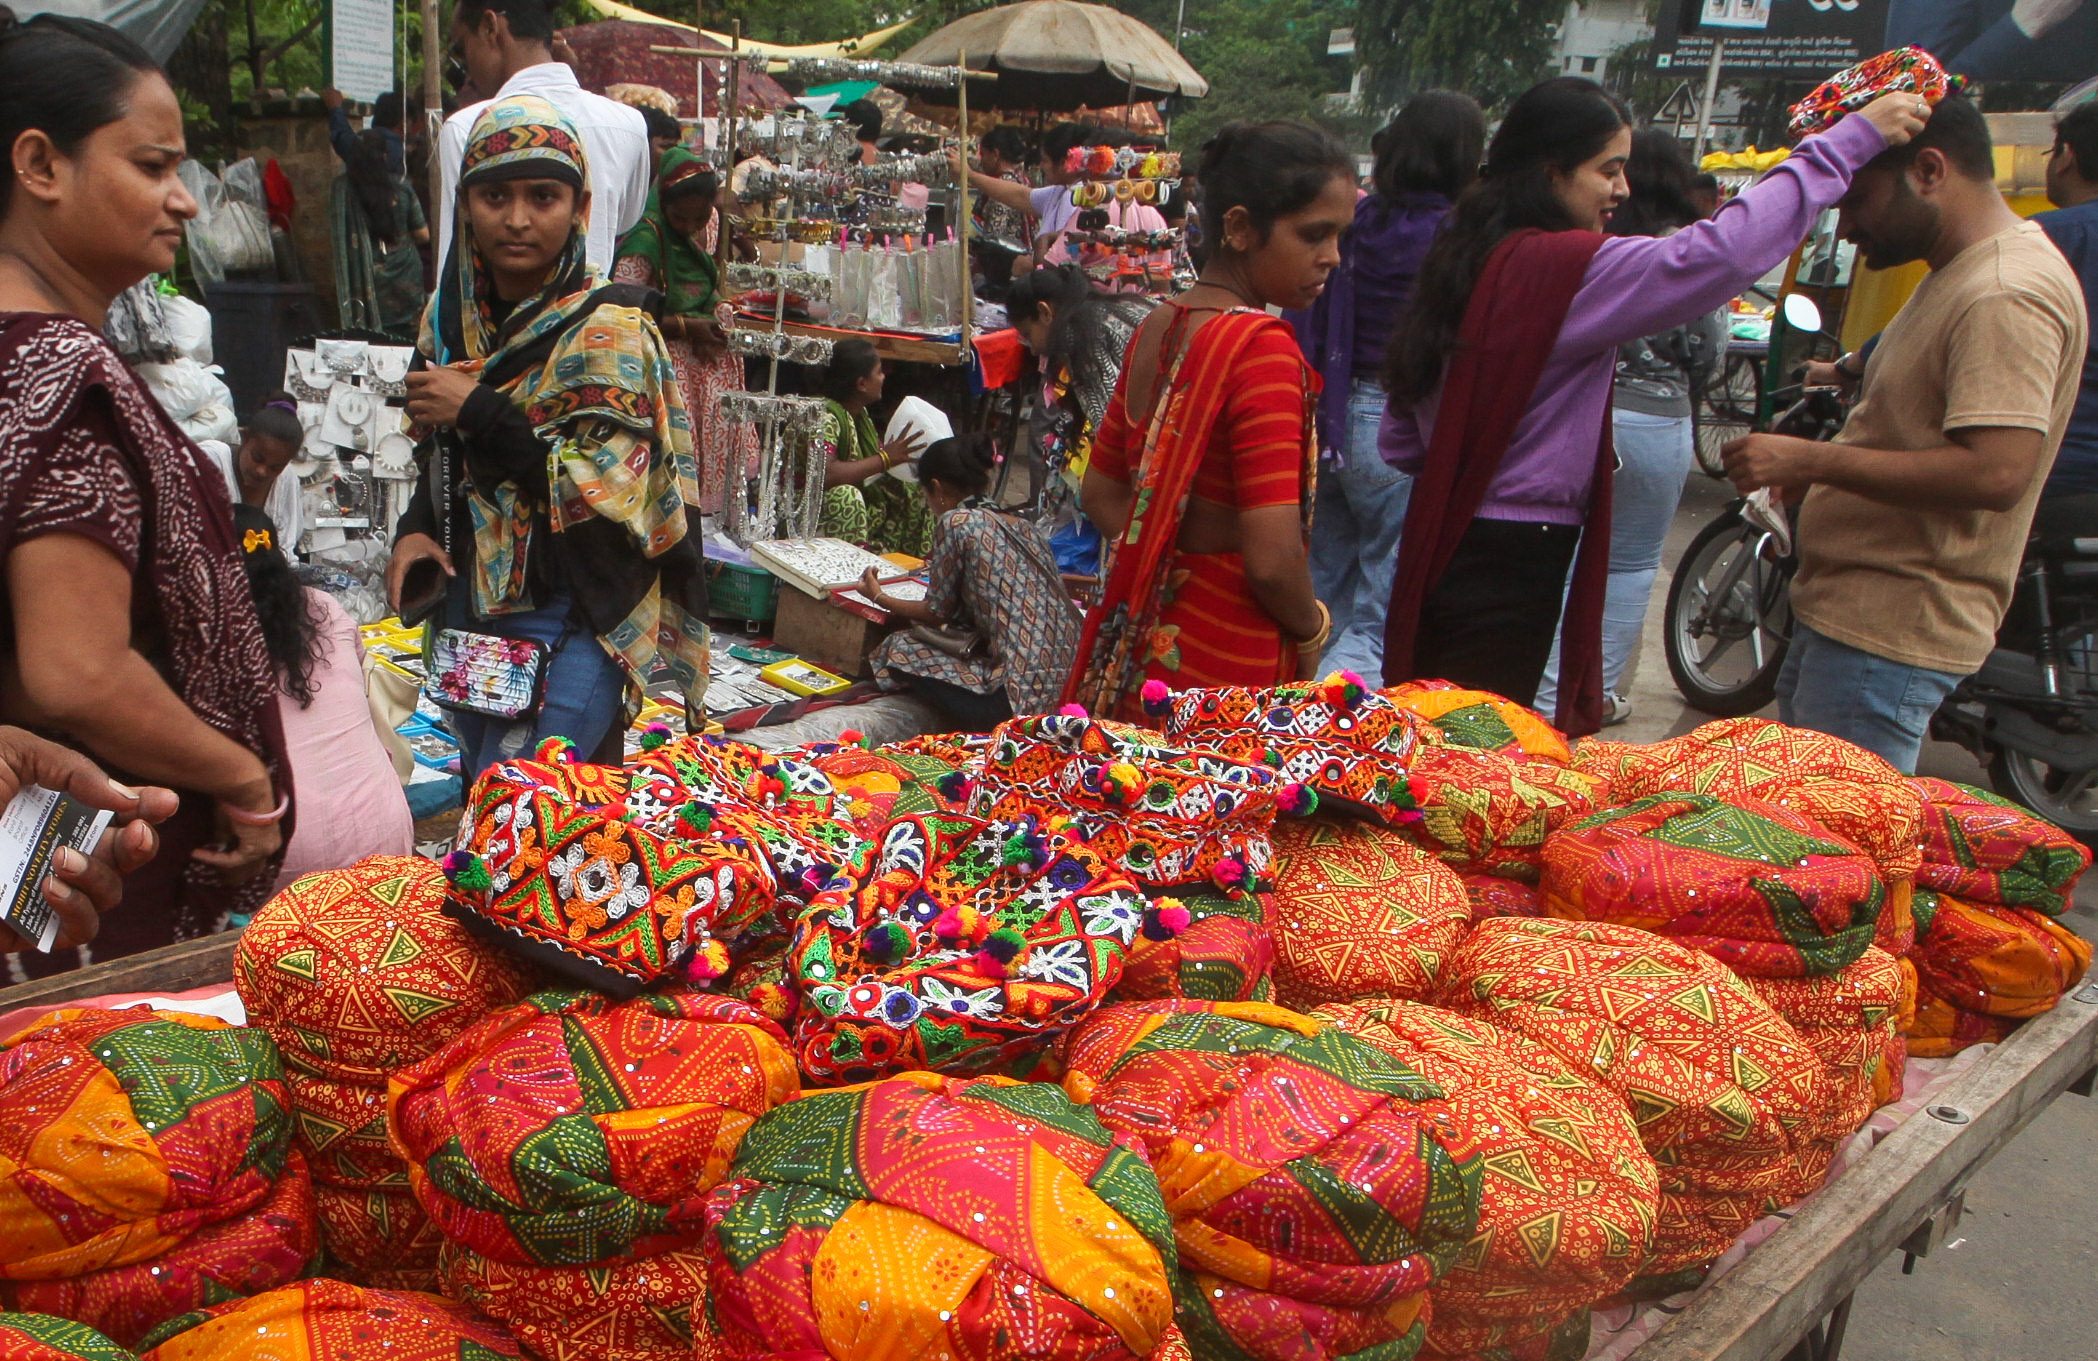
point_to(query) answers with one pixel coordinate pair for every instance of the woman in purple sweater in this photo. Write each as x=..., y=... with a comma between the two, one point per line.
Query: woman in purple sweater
x=1500, y=376
x=1426, y=156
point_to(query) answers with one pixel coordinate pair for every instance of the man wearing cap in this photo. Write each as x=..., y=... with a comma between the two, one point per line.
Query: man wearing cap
x=1916, y=516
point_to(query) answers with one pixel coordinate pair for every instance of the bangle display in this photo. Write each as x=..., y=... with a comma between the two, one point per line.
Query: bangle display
x=247, y=819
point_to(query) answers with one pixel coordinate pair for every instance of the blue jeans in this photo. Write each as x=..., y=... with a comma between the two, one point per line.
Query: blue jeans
x=1883, y=705
x=1355, y=539
x=1654, y=454
x=584, y=697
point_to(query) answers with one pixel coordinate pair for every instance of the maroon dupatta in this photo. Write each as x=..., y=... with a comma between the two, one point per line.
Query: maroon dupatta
x=1516, y=310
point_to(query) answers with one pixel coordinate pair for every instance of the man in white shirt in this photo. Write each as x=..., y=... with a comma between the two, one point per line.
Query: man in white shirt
x=506, y=46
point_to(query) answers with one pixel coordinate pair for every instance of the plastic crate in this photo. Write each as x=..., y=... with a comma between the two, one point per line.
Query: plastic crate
x=738, y=592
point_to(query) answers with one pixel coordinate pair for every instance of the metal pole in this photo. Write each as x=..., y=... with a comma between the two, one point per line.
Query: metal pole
x=1704, y=112
x=724, y=194
x=1179, y=23
x=962, y=207
x=433, y=106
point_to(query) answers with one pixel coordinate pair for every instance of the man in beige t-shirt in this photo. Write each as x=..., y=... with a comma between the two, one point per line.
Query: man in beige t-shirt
x=1910, y=539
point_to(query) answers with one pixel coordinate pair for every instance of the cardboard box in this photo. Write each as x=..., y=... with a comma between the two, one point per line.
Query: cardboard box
x=820, y=632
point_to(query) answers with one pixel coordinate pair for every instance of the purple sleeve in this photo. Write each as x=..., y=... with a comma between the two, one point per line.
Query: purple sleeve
x=1640, y=285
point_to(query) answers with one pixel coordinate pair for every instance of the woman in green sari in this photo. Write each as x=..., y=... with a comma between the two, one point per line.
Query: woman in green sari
x=862, y=503
x=670, y=250
x=378, y=223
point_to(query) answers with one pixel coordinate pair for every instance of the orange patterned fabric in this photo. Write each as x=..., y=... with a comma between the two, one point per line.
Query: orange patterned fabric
x=1479, y=718
x=1849, y=1019
x=273, y=1242
x=1568, y=1196
x=335, y=1321
x=378, y=1238
x=1317, y=1185
x=1728, y=1097
x=1939, y=1029
x=570, y=1130
x=122, y=1133
x=636, y=1309
x=922, y=1216
x=1360, y=912
x=356, y=972
x=1760, y=888
x=1845, y=788
x=1486, y=812
x=1613, y=763
x=1998, y=961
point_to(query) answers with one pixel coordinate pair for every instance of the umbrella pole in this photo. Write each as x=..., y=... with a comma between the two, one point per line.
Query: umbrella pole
x=962, y=209
x=734, y=96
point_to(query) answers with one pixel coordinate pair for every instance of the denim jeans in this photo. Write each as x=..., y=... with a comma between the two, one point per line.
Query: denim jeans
x=1355, y=538
x=1883, y=705
x=584, y=695
x=1654, y=454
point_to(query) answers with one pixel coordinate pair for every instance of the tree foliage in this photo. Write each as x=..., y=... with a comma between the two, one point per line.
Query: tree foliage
x=1491, y=49
x=1264, y=59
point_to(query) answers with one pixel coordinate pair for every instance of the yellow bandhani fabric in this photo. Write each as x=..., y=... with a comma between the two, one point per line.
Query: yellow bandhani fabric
x=335, y=1321
x=1479, y=718
x=1360, y=912
x=2010, y=962
x=1568, y=1196
x=1482, y=811
x=1729, y=1099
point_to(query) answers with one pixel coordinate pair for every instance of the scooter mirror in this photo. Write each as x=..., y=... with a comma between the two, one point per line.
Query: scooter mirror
x=1801, y=313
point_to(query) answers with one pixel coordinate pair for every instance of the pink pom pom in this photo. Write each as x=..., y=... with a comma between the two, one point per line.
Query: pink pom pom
x=1174, y=918
x=1156, y=695
x=1073, y=711
x=1229, y=873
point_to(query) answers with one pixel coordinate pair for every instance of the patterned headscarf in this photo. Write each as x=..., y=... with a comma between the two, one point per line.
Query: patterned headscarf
x=1905, y=68
x=690, y=280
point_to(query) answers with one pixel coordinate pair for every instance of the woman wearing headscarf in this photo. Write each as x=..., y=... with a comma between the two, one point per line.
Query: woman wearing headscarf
x=556, y=491
x=668, y=250
x=378, y=223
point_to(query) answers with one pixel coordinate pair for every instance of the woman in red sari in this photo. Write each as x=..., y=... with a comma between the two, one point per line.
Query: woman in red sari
x=1202, y=472
x=127, y=627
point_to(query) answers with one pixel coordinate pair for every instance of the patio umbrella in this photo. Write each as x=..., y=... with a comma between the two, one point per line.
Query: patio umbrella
x=1056, y=55
x=616, y=51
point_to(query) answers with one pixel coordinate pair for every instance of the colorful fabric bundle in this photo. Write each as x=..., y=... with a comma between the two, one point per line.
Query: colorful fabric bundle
x=41, y=1337
x=1982, y=849
x=341, y=1128
x=1938, y=1030
x=924, y=1216
x=1317, y=1185
x=380, y=1239
x=808, y=816
x=1849, y=1019
x=2010, y=962
x=570, y=1130
x=1905, y=68
x=123, y=1133
x=969, y=943
x=1760, y=888
x=1845, y=788
x=260, y=1249
x=1630, y=764
x=1489, y=895
x=1225, y=953
x=335, y=1321
x=358, y=971
x=877, y=787
x=1168, y=818
x=1568, y=1194
x=557, y=868
x=1728, y=1097
x=1360, y=912
x=1481, y=811
x=634, y=1310
x=1348, y=745
x=1458, y=717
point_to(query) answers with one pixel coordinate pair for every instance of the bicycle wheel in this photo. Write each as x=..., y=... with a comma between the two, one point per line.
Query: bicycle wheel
x=1729, y=618
x=1725, y=410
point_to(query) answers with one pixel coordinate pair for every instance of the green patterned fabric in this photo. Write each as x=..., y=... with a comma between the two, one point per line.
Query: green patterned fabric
x=40, y=1337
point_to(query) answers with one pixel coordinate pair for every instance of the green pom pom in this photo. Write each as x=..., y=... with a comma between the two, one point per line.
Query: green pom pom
x=1004, y=944
x=696, y=815
x=889, y=942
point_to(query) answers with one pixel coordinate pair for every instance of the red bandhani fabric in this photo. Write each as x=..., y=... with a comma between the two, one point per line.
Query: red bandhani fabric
x=1838, y=784
x=922, y=1216
x=1983, y=849
x=1850, y=1020
x=1568, y=1195
x=1489, y=895
x=1455, y=716
x=380, y=1239
x=1613, y=763
x=358, y=971
x=1760, y=888
x=1225, y=953
x=1360, y=912
x=1481, y=811
x=1728, y=1097
x=274, y=1242
x=1317, y=1186
x=336, y=1321
x=570, y=1130
x=638, y=1309
x=1998, y=961
x=341, y=1128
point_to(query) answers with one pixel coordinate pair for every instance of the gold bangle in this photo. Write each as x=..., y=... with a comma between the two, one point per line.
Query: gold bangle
x=1324, y=634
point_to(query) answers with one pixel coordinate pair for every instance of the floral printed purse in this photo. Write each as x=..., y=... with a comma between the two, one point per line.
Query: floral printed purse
x=480, y=673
